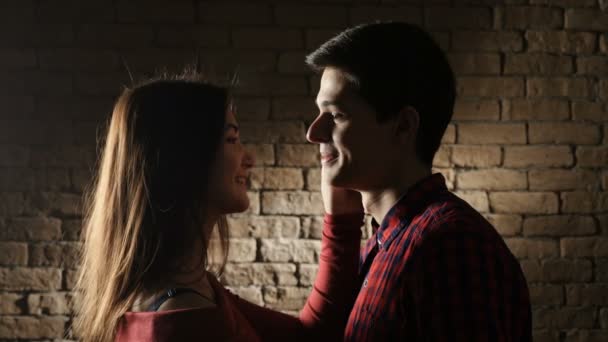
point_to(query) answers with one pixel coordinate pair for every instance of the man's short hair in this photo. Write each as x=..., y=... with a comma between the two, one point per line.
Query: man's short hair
x=392, y=65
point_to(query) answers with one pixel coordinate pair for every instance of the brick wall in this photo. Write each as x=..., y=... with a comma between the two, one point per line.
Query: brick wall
x=527, y=147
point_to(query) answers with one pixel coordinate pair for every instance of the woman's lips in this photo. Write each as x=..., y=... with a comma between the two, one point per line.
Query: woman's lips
x=328, y=157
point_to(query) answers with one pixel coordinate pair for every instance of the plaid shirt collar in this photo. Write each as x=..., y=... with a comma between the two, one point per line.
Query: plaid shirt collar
x=399, y=216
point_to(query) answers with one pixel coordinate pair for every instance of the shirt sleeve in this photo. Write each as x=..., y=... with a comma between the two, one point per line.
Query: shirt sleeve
x=327, y=308
x=466, y=286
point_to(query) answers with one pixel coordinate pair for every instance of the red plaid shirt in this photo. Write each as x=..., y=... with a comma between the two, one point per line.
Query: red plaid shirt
x=436, y=270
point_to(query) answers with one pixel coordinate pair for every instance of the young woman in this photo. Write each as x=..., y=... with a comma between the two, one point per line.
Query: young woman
x=172, y=167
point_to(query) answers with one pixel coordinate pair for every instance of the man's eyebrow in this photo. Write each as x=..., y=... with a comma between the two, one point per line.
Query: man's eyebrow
x=233, y=126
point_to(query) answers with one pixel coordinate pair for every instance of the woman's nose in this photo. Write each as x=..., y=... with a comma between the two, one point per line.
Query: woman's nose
x=248, y=159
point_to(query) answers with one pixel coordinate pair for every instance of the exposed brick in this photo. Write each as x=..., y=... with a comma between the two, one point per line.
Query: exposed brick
x=566, y=270
x=17, y=58
x=475, y=63
x=78, y=59
x=283, y=179
x=490, y=86
x=564, y=133
x=546, y=294
x=294, y=203
x=559, y=225
x=506, y=225
x=176, y=12
x=260, y=274
x=489, y=133
x=584, y=246
x=551, y=317
x=24, y=34
x=560, y=41
x=308, y=273
x=11, y=204
x=458, y=18
x=273, y=132
x=532, y=270
x=35, y=82
x=256, y=178
x=37, y=279
x=250, y=84
x=74, y=11
x=601, y=270
x=586, y=19
x=70, y=278
x=53, y=303
x=476, y=110
x=310, y=16
x=239, y=250
x=449, y=136
x=587, y=294
x=114, y=35
x=565, y=3
x=292, y=62
x=281, y=250
x=32, y=229
x=477, y=199
x=537, y=109
x=586, y=335
x=13, y=253
x=538, y=156
x=252, y=108
x=533, y=248
x=487, y=41
x=19, y=179
x=252, y=294
x=264, y=153
x=593, y=111
x=366, y=14
x=559, y=86
x=10, y=303
x=70, y=229
x=313, y=179
x=563, y=179
x=17, y=106
x=235, y=14
x=537, y=64
x=239, y=62
x=285, y=298
x=316, y=37
x=312, y=227
x=524, y=17
x=593, y=66
x=264, y=226
x=27, y=327
x=524, y=202
x=584, y=202
x=298, y=155
x=294, y=108
x=545, y=335
x=15, y=11
x=188, y=36
x=493, y=179
x=476, y=156
x=603, y=90
x=267, y=38
x=54, y=203
x=58, y=254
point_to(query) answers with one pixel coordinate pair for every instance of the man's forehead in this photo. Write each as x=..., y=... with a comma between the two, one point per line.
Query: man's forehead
x=334, y=88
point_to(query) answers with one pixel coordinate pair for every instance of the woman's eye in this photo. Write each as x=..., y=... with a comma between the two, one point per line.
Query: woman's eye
x=232, y=140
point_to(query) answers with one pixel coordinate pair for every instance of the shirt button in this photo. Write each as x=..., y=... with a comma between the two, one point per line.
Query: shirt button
x=365, y=283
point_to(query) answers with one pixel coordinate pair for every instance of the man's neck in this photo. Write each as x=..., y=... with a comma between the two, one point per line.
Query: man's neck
x=379, y=201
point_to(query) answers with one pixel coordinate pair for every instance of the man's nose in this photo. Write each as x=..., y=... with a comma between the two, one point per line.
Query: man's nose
x=320, y=129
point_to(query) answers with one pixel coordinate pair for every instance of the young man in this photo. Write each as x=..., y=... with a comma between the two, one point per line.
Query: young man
x=434, y=269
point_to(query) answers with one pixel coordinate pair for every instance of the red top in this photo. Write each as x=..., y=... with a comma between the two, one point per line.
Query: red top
x=234, y=319
x=436, y=270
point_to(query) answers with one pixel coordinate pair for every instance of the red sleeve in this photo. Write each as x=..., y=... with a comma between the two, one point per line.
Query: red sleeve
x=467, y=286
x=326, y=311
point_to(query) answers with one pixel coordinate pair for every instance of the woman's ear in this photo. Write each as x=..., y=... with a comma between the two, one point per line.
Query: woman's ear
x=407, y=122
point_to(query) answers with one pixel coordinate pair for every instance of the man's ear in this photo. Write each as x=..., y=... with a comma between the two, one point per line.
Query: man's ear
x=407, y=122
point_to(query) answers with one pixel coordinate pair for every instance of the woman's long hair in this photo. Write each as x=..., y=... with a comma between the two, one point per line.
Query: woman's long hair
x=147, y=204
